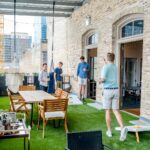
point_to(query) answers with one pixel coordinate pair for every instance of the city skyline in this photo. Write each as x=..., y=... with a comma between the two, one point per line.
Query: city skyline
x=24, y=24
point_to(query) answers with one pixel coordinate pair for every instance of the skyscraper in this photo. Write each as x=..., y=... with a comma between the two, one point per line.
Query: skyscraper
x=43, y=30
x=44, y=39
x=40, y=37
x=23, y=43
x=1, y=39
x=7, y=49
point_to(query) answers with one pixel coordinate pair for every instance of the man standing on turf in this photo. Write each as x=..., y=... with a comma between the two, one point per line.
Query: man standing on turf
x=43, y=78
x=82, y=74
x=111, y=95
x=58, y=73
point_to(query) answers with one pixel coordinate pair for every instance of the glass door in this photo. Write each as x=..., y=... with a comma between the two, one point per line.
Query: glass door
x=92, y=60
x=131, y=72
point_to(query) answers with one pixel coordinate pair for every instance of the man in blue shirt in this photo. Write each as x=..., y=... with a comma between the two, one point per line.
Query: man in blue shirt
x=58, y=75
x=111, y=95
x=82, y=74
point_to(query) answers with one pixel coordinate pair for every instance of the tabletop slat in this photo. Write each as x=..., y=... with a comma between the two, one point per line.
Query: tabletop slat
x=35, y=96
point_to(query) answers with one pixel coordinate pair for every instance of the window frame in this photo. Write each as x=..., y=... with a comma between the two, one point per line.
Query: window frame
x=95, y=35
x=133, y=22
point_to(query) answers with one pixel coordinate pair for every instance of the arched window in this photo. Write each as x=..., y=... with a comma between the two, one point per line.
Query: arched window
x=132, y=28
x=92, y=39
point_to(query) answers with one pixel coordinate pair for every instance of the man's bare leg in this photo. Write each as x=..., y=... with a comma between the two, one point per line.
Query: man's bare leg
x=119, y=118
x=108, y=122
x=80, y=96
x=108, y=119
x=124, y=130
x=83, y=92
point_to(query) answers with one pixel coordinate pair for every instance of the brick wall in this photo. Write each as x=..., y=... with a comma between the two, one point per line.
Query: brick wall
x=104, y=18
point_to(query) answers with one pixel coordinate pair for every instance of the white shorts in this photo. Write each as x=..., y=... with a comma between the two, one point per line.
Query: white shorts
x=111, y=99
x=82, y=81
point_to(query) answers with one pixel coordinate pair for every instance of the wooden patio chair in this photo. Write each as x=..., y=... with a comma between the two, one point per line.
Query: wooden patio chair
x=27, y=88
x=13, y=93
x=58, y=92
x=17, y=104
x=64, y=95
x=53, y=110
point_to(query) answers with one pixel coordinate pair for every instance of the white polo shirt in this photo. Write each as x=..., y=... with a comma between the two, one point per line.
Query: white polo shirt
x=43, y=75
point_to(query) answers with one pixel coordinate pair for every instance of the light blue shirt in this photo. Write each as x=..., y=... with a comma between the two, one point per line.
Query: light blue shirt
x=109, y=74
x=83, y=69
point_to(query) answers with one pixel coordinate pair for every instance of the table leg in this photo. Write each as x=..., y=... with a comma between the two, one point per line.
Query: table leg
x=24, y=143
x=54, y=125
x=137, y=137
x=59, y=123
x=31, y=117
x=28, y=144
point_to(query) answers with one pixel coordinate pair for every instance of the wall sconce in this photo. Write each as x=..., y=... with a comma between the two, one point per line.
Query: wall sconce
x=87, y=20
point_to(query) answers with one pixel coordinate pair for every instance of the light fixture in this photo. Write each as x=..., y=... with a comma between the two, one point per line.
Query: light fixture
x=87, y=20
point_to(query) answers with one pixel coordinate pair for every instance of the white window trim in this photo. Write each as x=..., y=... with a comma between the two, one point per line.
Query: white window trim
x=131, y=38
x=125, y=22
x=86, y=37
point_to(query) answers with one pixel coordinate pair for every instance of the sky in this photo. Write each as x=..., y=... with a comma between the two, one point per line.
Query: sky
x=24, y=24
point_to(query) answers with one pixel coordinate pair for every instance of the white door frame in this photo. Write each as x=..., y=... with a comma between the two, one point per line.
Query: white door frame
x=86, y=47
x=118, y=53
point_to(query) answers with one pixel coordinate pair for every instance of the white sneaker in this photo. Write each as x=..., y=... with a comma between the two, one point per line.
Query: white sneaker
x=123, y=134
x=109, y=133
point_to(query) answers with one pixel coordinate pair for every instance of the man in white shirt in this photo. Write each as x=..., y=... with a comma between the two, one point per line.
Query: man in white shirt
x=43, y=78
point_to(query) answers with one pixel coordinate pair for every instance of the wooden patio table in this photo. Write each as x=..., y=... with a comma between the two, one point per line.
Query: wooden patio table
x=32, y=97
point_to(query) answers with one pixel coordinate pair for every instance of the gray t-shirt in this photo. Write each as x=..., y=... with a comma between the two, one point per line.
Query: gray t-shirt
x=43, y=75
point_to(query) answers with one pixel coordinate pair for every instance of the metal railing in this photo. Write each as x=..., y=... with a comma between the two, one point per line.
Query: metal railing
x=26, y=81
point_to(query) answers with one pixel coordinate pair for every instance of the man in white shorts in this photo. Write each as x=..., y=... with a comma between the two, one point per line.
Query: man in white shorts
x=82, y=74
x=111, y=95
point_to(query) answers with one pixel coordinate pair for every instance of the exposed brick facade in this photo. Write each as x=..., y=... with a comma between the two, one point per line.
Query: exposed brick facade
x=105, y=17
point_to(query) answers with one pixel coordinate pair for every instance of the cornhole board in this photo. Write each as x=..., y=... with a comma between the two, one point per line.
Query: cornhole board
x=136, y=129
x=141, y=121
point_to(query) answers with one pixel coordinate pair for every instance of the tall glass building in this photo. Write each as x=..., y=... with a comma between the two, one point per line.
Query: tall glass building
x=43, y=29
x=23, y=43
x=1, y=38
x=40, y=37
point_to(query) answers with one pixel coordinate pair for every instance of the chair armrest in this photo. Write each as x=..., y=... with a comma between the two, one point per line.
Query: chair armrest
x=56, y=96
x=16, y=97
x=108, y=147
x=20, y=102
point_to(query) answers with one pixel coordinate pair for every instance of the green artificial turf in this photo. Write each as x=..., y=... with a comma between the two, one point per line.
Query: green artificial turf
x=80, y=118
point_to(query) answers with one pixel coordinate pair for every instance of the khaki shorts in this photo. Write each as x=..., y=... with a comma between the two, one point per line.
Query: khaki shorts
x=111, y=99
x=59, y=84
